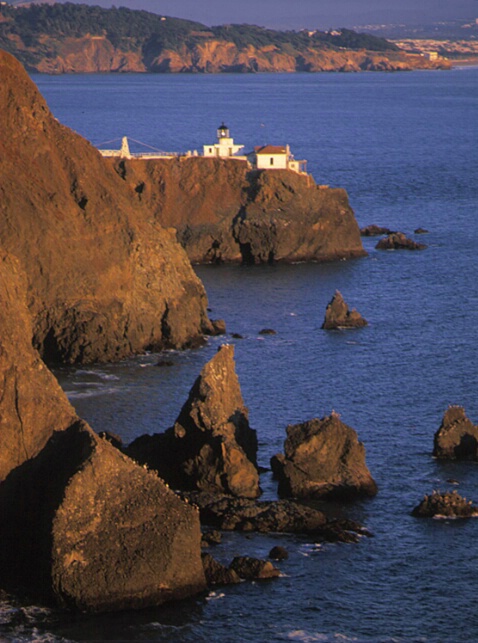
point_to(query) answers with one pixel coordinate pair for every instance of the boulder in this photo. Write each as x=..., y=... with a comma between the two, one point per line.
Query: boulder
x=250, y=568
x=211, y=446
x=398, y=241
x=217, y=573
x=338, y=315
x=85, y=526
x=104, y=280
x=447, y=504
x=457, y=436
x=374, y=231
x=279, y=553
x=323, y=459
x=273, y=516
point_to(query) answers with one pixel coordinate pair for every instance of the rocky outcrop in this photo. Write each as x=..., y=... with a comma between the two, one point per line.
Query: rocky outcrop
x=447, y=504
x=103, y=280
x=224, y=212
x=32, y=405
x=281, y=516
x=338, y=315
x=84, y=525
x=457, y=436
x=217, y=573
x=399, y=241
x=323, y=459
x=250, y=568
x=211, y=446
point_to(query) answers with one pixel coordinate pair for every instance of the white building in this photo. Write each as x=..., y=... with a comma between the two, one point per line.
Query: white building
x=225, y=144
x=277, y=157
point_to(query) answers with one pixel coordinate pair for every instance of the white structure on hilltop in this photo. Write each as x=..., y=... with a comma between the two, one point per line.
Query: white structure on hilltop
x=277, y=157
x=225, y=144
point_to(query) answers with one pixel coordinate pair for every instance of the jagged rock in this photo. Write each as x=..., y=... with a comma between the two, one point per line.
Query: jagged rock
x=83, y=524
x=323, y=459
x=32, y=404
x=398, y=241
x=218, y=574
x=104, y=280
x=445, y=504
x=253, y=568
x=278, y=553
x=213, y=537
x=338, y=315
x=112, y=438
x=283, y=516
x=457, y=437
x=239, y=215
x=374, y=231
x=211, y=446
x=218, y=327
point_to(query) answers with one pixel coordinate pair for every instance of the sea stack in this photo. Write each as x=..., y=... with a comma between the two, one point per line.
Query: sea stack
x=338, y=315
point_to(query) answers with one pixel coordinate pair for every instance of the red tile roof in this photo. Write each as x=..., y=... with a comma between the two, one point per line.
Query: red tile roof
x=271, y=149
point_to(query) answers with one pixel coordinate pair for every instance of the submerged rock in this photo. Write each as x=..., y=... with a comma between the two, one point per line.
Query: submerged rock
x=447, y=504
x=211, y=446
x=374, y=231
x=323, y=459
x=457, y=436
x=280, y=516
x=398, y=241
x=338, y=315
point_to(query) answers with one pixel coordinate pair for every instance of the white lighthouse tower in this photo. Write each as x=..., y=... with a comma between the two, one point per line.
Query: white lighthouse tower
x=225, y=144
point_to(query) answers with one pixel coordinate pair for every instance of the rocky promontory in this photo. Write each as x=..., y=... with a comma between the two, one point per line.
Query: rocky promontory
x=225, y=212
x=103, y=279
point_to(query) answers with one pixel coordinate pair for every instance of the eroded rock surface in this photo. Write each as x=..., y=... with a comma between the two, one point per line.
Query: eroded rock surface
x=86, y=526
x=103, y=279
x=338, y=315
x=32, y=404
x=224, y=212
x=447, y=504
x=457, y=436
x=399, y=241
x=211, y=446
x=323, y=459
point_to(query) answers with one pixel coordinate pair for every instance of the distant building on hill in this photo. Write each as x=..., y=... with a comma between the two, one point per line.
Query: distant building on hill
x=225, y=144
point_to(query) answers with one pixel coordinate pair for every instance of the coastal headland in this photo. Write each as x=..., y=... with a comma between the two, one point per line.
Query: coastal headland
x=71, y=38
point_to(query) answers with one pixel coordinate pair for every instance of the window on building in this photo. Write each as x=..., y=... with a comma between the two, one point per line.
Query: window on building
x=272, y=161
x=210, y=150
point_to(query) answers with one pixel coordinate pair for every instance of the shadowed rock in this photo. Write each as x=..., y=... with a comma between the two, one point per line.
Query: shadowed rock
x=457, y=437
x=284, y=516
x=218, y=574
x=448, y=504
x=211, y=446
x=338, y=315
x=32, y=404
x=104, y=280
x=398, y=241
x=323, y=459
x=84, y=525
x=253, y=568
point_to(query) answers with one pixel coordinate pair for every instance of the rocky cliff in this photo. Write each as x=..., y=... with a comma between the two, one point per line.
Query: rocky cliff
x=65, y=38
x=224, y=212
x=103, y=280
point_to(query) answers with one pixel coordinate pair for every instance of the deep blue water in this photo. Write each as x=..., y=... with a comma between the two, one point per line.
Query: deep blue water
x=405, y=146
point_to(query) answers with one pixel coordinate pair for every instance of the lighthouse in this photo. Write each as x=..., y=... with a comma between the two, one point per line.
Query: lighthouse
x=225, y=146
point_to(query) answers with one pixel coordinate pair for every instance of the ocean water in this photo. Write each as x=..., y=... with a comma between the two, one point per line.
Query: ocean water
x=405, y=146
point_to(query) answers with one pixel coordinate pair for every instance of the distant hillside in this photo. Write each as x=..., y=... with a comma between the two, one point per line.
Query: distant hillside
x=58, y=38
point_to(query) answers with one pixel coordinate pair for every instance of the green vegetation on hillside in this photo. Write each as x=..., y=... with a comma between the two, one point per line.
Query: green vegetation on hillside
x=129, y=29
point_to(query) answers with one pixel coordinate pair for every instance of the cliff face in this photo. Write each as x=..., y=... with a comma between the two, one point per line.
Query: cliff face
x=222, y=211
x=103, y=281
x=90, y=54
